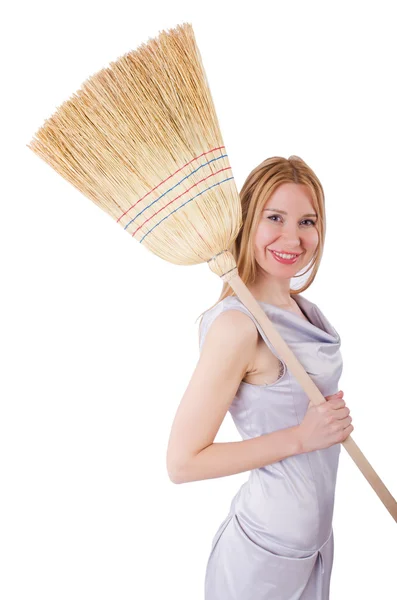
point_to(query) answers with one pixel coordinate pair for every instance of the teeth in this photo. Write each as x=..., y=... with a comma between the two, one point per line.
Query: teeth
x=285, y=255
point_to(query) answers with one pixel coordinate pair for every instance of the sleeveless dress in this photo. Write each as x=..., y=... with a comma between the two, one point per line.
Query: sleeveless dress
x=277, y=543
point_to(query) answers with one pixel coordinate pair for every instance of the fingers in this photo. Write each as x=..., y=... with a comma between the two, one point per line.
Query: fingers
x=341, y=412
x=347, y=431
x=346, y=421
x=337, y=395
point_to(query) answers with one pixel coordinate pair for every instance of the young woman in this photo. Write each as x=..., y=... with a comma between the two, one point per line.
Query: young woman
x=277, y=541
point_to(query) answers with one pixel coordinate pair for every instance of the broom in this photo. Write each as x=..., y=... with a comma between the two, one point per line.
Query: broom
x=142, y=140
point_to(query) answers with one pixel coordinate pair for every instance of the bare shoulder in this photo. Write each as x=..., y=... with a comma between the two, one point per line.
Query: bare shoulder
x=231, y=339
x=232, y=325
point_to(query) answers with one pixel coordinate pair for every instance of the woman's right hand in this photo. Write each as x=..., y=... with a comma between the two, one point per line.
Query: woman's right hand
x=325, y=424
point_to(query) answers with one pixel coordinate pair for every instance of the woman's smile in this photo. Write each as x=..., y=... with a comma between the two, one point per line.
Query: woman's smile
x=282, y=259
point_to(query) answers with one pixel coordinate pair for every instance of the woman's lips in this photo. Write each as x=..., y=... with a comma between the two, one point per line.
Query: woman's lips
x=285, y=261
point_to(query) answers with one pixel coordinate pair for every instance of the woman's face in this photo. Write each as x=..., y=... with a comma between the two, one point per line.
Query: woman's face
x=287, y=224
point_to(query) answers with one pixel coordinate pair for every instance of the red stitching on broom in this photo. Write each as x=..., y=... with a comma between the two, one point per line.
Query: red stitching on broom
x=185, y=192
x=155, y=188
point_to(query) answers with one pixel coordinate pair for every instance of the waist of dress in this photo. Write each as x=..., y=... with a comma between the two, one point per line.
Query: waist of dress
x=288, y=504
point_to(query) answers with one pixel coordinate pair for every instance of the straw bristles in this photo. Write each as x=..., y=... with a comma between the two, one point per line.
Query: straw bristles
x=142, y=140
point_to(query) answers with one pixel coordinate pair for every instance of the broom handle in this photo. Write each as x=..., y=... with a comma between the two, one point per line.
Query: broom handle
x=311, y=389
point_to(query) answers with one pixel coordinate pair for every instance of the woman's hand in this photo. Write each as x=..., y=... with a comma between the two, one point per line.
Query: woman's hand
x=325, y=424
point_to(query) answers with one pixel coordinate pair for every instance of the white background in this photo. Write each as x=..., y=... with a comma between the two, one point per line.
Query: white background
x=99, y=337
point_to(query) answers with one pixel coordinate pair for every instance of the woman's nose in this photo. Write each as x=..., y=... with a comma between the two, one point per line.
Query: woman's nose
x=291, y=240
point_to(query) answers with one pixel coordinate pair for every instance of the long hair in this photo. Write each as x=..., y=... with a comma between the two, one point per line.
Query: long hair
x=256, y=191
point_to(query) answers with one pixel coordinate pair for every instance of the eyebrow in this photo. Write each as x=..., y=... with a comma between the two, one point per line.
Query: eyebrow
x=284, y=213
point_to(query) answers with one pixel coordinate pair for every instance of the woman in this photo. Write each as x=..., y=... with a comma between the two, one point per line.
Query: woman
x=276, y=543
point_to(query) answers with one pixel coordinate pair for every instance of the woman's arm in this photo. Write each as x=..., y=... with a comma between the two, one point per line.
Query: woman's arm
x=228, y=458
x=226, y=356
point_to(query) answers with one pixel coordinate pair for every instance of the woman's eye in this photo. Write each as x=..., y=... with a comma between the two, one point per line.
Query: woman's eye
x=307, y=220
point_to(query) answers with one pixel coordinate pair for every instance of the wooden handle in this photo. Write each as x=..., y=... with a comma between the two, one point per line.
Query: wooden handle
x=310, y=388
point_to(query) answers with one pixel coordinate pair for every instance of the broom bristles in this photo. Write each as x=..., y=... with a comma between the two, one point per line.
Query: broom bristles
x=142, y=140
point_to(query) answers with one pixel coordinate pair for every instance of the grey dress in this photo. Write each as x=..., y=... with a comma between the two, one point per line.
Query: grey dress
x=277, y=543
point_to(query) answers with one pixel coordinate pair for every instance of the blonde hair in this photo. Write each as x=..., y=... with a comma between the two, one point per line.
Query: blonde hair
x=256, y=191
